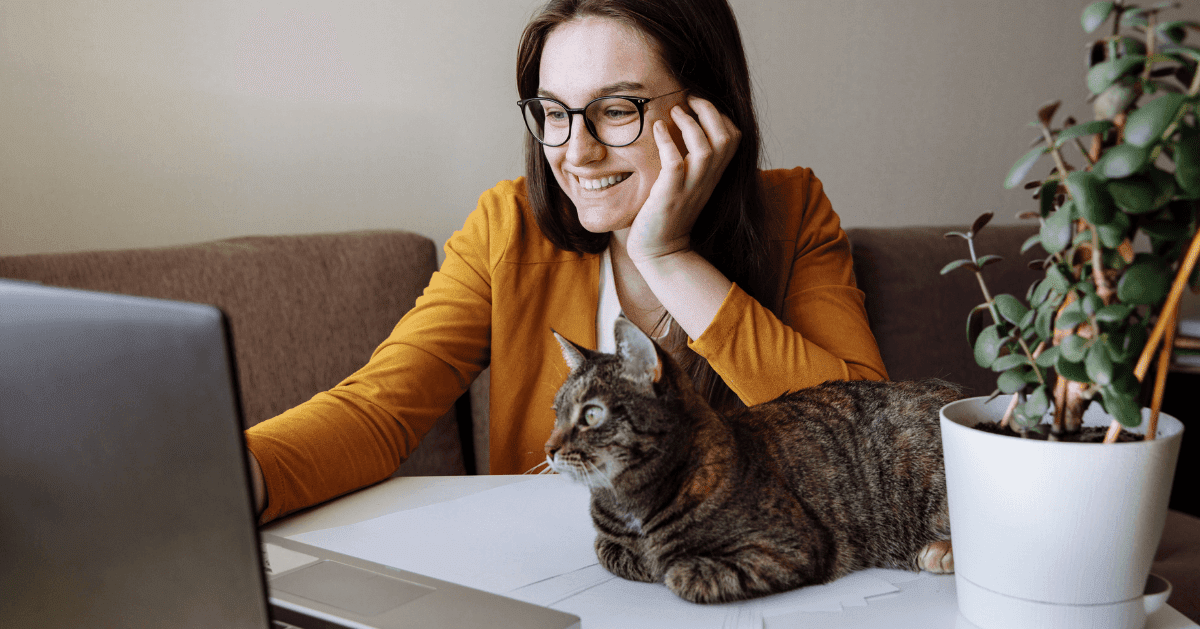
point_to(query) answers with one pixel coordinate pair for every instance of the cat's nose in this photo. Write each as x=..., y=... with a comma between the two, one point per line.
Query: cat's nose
x=551, y=450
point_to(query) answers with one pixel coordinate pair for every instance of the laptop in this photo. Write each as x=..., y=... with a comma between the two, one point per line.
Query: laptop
x=124, y=488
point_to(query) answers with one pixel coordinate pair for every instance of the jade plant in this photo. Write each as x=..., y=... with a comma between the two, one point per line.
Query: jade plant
x=1087, y=330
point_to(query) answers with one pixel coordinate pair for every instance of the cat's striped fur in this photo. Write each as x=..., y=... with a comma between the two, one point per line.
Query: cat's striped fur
x=801, y=490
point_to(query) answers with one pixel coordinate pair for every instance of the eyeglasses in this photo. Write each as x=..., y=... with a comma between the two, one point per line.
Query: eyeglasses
x=613, y=120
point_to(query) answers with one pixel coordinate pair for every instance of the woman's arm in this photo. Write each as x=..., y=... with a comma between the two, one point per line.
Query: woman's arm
x=361, y=430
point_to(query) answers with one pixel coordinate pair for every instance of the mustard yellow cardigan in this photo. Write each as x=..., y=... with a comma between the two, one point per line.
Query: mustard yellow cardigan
x=501, y=289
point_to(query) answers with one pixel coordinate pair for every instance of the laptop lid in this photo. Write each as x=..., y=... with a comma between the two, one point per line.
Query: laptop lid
x=126, y=501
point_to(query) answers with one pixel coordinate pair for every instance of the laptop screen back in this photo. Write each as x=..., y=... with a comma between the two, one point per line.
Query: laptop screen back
x=125, y=501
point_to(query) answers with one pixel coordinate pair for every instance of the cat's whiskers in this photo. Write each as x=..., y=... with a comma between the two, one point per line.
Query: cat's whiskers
x=544, y=465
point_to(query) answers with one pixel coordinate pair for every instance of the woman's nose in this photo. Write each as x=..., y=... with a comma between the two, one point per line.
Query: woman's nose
x=582, y=147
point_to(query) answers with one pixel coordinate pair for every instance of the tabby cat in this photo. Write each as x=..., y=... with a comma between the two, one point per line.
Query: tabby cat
x=800, y=490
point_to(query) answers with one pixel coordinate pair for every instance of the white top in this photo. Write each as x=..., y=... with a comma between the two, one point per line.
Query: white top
x=609, y=308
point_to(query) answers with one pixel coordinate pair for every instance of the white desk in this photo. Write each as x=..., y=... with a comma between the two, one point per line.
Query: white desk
x=928, y=603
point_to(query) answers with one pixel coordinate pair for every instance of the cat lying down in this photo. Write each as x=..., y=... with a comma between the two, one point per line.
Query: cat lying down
x=797, y=491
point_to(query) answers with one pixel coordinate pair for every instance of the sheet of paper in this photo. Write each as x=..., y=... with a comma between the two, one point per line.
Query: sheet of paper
x=919, y=603
x=496, y=540
x=653, y=605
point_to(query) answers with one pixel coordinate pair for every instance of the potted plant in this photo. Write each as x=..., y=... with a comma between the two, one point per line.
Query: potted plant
x=1049, y=530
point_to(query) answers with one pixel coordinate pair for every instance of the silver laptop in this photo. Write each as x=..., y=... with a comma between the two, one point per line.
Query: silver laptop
x=124, y=490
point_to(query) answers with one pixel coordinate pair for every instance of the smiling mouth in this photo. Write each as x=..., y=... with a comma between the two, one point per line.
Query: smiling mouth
x=603, y=182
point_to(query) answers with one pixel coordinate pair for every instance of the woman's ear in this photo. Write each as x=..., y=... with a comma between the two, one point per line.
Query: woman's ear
x=637, y=351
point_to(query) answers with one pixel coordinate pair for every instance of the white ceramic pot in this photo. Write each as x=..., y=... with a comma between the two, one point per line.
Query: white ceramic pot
x=1054, y=535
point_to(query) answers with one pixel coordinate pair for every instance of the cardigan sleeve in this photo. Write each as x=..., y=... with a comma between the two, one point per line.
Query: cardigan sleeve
x=360, y=431
x=819, y=329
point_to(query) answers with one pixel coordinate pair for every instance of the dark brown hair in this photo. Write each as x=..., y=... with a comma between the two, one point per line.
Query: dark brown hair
x=699, y=43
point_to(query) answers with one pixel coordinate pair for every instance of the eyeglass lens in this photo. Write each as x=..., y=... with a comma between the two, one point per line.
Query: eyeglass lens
x=614, y=121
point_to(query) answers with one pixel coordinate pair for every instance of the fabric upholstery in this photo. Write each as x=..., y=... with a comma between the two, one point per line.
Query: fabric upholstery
x=918, y=316
x=303, y=311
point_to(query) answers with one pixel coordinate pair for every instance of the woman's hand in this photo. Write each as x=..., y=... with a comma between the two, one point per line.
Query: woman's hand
x=664, y=224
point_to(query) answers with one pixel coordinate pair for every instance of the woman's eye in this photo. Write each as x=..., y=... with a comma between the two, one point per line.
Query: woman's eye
x=615, y=115
x=556, y=116
x=592, y=415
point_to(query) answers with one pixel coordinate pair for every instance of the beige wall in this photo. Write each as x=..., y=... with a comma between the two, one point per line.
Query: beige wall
x=135, y=123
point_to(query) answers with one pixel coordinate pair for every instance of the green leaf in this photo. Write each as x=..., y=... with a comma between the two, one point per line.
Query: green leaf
x=1094, y=15
x=1071, y=370
x=1129, y=345
x=1146, y=281
x=1010, y=307
x=1175, y=30
x=1080, y=130
x=1048, y=357
x=1113, y=233
x=1183, y=54
x=1091, y=303
x=956, y=264
x=1023, y=166
x=1035, y=239
x=987, y=346
x=1106, y=73
x=1091, y=196
x=1123, y=160
x=1167, y=230
x=1146, y=125
x=1056, y=230
x=1057, y=279
x=1027, y=321
x=1015, y=379
x=1046, y=197
x=980, y=222
x=1114, y=313
x=1044, y=324
x=1069, y=319
x=1008, y=361
x=1038, y=403
x=989, y=259
x=1098, y=365
x=975, y=323
x=1121, y=406
x=1073, y=348
x=1139, y=194
x=1187, y=161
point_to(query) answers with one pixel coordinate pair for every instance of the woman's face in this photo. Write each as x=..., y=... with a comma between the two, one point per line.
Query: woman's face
x=583, y=60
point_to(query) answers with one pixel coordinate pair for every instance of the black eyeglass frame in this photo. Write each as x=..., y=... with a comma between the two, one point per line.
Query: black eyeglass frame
x=638, y=102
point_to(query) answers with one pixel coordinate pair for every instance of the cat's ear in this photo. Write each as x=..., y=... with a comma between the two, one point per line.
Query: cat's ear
x=637, y=350
x=572, y=353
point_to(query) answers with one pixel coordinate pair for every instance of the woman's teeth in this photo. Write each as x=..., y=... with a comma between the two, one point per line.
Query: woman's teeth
x=603, y=182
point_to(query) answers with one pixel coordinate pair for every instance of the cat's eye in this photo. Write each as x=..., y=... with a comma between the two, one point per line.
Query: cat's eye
x=591, y=415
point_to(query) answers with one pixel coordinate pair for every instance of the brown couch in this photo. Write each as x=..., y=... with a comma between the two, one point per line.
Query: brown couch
x=305, y=311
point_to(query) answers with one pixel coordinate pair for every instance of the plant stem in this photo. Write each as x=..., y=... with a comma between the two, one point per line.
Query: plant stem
x=1104, y=288
x=1054, y=152
x=1150, y=44
x=1008, y=412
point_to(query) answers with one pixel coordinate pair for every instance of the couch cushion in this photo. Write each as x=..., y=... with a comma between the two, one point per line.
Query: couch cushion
x=304, y=311
x=918, y=316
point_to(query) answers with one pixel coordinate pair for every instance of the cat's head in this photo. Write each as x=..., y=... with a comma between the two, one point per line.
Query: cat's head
x=615, y=411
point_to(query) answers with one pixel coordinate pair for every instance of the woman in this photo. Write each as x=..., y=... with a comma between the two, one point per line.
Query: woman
x=642, y=195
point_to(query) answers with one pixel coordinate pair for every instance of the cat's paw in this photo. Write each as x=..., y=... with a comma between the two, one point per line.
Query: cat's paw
x=937, y=557
x=622, y=561
x=703, y=580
